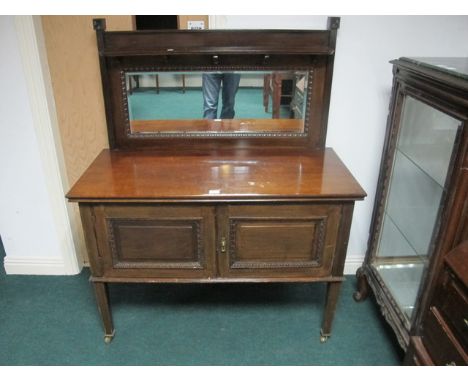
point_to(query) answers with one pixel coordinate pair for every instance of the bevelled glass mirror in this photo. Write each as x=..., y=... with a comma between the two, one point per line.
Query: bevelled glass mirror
x=217, y=102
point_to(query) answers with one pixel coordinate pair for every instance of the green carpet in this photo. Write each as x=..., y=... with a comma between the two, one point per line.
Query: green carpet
x=53, y=320
x=146, y=104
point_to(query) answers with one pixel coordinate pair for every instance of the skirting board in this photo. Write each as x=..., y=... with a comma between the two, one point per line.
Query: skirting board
x=34, y=266
x=352, y=264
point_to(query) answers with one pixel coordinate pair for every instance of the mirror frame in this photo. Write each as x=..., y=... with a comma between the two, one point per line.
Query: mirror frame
x=214, y=50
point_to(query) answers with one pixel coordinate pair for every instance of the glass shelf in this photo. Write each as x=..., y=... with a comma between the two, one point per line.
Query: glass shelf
x=413, y=202
x=429, y=141
x=403, y=282
x=394, y=244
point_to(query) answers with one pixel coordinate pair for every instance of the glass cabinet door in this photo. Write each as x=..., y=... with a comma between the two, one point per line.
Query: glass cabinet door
x=421, y=163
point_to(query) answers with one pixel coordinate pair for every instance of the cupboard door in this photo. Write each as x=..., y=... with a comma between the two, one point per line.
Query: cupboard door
x=156, y=241
x=277, y=241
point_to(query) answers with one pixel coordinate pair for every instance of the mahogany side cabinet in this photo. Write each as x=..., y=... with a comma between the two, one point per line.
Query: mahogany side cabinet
x=182, y=199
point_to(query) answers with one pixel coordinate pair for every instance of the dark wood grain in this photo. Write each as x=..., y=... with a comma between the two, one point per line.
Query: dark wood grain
x=217, y=280
x=441, y=343
x=443, y=329
x=121, y=175
x=458, y=262
x=102, y=297
x=169, y=42
x=156, y=241
x=331, y=301
x=417, y=354
x=451, y=300
x=88, y=219
x=278, y=240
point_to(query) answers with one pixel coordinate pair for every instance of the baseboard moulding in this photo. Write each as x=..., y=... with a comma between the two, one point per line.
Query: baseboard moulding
x=35, y=266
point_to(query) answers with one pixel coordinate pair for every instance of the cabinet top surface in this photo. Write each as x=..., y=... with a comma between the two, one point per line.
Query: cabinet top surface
x=143, y=175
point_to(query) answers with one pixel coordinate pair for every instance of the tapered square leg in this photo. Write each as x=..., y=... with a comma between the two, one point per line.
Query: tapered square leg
x=333, y=291
x=102, y=297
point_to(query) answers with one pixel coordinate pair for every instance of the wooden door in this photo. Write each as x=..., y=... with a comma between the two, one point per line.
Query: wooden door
x=156, y=241
x=277, y=240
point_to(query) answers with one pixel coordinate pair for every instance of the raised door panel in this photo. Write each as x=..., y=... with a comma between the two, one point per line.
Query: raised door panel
x=278, y=241
x=156, y=241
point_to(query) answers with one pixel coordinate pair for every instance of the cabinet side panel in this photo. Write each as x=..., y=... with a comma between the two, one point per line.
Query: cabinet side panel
x=88, y=222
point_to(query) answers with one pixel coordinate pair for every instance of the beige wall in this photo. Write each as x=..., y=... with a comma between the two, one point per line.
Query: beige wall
x=76, y=81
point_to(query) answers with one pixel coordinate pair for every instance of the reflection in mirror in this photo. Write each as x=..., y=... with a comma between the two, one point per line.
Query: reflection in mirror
x=217, y=102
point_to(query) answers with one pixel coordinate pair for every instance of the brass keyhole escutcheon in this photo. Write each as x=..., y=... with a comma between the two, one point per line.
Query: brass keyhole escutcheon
x=223, y=245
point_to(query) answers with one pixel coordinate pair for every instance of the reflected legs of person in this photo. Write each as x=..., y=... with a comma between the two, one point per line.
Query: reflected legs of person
x=211, y=84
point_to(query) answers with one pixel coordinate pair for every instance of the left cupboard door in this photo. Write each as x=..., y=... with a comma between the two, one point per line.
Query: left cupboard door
x=155, y=241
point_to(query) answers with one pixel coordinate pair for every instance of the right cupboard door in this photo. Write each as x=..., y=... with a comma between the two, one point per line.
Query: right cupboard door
x=274, y=241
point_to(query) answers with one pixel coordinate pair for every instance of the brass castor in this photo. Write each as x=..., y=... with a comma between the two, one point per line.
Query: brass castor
x=324, y=339
x=109, y=337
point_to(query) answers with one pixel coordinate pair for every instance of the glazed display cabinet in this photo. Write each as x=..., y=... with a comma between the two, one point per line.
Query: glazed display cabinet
x=419, y=209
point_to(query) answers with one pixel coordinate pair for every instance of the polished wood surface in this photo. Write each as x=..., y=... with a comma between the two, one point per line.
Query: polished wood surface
x=217, y=125
x=117, y=175
x=155, y=241
x=227, y=241
x=101, y=291
x=278, y=240
x=444, y=332
x=417, y=354
x=218, y=280
x=176, y=42
x=440, y=341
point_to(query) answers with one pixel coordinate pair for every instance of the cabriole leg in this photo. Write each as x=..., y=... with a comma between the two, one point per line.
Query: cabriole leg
x=362, y=286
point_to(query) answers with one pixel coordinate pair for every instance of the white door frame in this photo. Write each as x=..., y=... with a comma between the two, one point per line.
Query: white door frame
x=34, y=58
